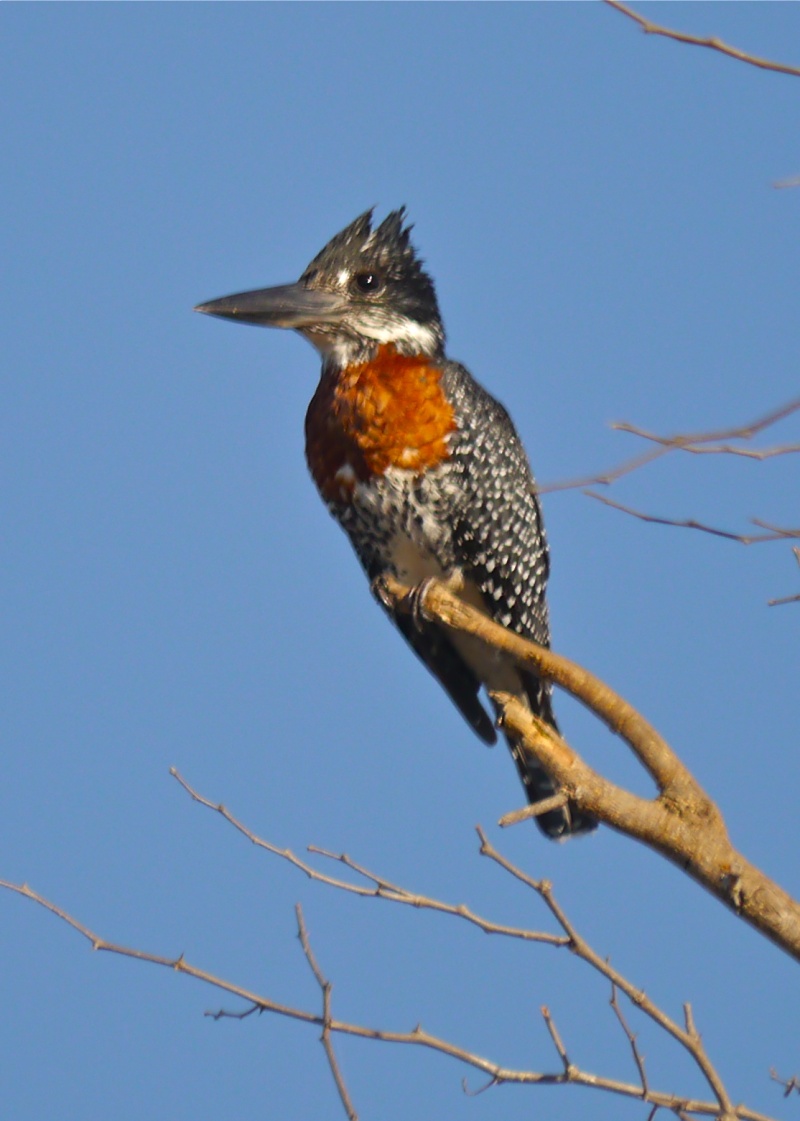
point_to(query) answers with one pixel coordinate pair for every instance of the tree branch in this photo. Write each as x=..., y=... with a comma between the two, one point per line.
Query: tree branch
x=569, y=1074
x=682, y=822
x=713, y=442
x=790, y=1085
x=787, y=599
x=687, y=1037
x=377, y=886
x=638, y=1057
x=713, y=44
x=325, y=988
x=773, y=532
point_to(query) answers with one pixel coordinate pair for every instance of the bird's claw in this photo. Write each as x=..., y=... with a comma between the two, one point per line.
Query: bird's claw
x=416, y=603
x=378, y=588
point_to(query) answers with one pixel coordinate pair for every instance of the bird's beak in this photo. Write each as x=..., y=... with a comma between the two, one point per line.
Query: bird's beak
x=289, y=305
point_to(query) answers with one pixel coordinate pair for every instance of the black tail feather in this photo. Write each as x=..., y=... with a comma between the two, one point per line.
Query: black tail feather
x=568, y=819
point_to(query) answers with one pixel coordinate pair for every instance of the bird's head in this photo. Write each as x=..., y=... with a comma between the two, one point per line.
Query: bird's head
x=366, y=288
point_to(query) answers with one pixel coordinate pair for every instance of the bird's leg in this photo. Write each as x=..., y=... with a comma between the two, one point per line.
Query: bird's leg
x=454, y=583
x=416, y=597
x=378, y=588
x=416, y=603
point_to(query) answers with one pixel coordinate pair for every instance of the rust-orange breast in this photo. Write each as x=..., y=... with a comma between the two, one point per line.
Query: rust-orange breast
x=389, y=412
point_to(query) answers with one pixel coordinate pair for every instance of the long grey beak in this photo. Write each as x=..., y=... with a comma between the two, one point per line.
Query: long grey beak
x=289, y=305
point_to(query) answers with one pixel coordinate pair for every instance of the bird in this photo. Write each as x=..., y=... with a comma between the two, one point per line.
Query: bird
x=421, y=466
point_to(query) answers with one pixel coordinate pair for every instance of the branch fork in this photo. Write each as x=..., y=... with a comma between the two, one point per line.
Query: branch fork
x=681, y=822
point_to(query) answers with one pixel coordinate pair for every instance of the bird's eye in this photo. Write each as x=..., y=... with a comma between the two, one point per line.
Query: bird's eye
x=368, y=282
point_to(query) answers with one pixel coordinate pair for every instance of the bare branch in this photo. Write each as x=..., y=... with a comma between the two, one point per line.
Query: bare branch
x=782, y=600
x=714, y=442
x=445, y=608
x=688, y=1016
x=787, y=599
x=688, y=1038
x=554, y=802
x=775, y=533
x=789, y=1084
x=179, y=964
x=377, y=886
x=779, y=530
x=711, y=449
x=696, y=443
x=325, y=987
x=225, y=1014
x=682, y=822
x=557, y=1042
x=713, y=44
x=570, y=1074
x=605, y=478
x=638, y=1057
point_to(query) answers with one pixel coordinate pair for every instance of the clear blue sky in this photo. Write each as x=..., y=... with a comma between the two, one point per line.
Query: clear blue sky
x=597, y=210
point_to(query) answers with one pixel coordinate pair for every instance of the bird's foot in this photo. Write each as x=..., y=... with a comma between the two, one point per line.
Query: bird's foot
x=416, y=603
x=381, y=592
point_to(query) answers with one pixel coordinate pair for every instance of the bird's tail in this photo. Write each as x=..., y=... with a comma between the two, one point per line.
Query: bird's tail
x=565, y=820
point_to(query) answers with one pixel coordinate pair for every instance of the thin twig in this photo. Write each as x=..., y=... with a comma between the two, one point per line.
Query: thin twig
x=695, y=41
x=481, y=1089
x=689, y=1038
x=782, y=600
x=557, y=1041
x=775, y=533
x=779, y=530
x=226, y=1014
x=554, y=802
x=789, y=1084
x=325, y=988
x=605, y=478
x=377, y=887
x=787, y=599
x=695, y=443
x=418, y=1036
x=729, y=449
x=638, y=1057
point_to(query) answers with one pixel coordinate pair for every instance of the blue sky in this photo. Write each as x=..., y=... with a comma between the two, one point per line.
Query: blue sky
x=597, y=210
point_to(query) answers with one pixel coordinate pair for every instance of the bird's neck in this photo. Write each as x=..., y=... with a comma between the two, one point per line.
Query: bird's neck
x=402, y=335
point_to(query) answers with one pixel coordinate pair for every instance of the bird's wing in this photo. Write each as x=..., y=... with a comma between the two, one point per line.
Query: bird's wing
x=499, y=538
x=449, y=668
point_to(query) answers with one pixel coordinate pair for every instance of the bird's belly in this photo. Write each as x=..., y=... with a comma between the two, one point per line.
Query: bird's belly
x=405, y=528
x=402, y=522
x=412, y=563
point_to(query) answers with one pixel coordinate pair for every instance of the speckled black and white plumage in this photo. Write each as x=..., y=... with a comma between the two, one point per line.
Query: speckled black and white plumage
x=476, y=516
x=468, y=512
